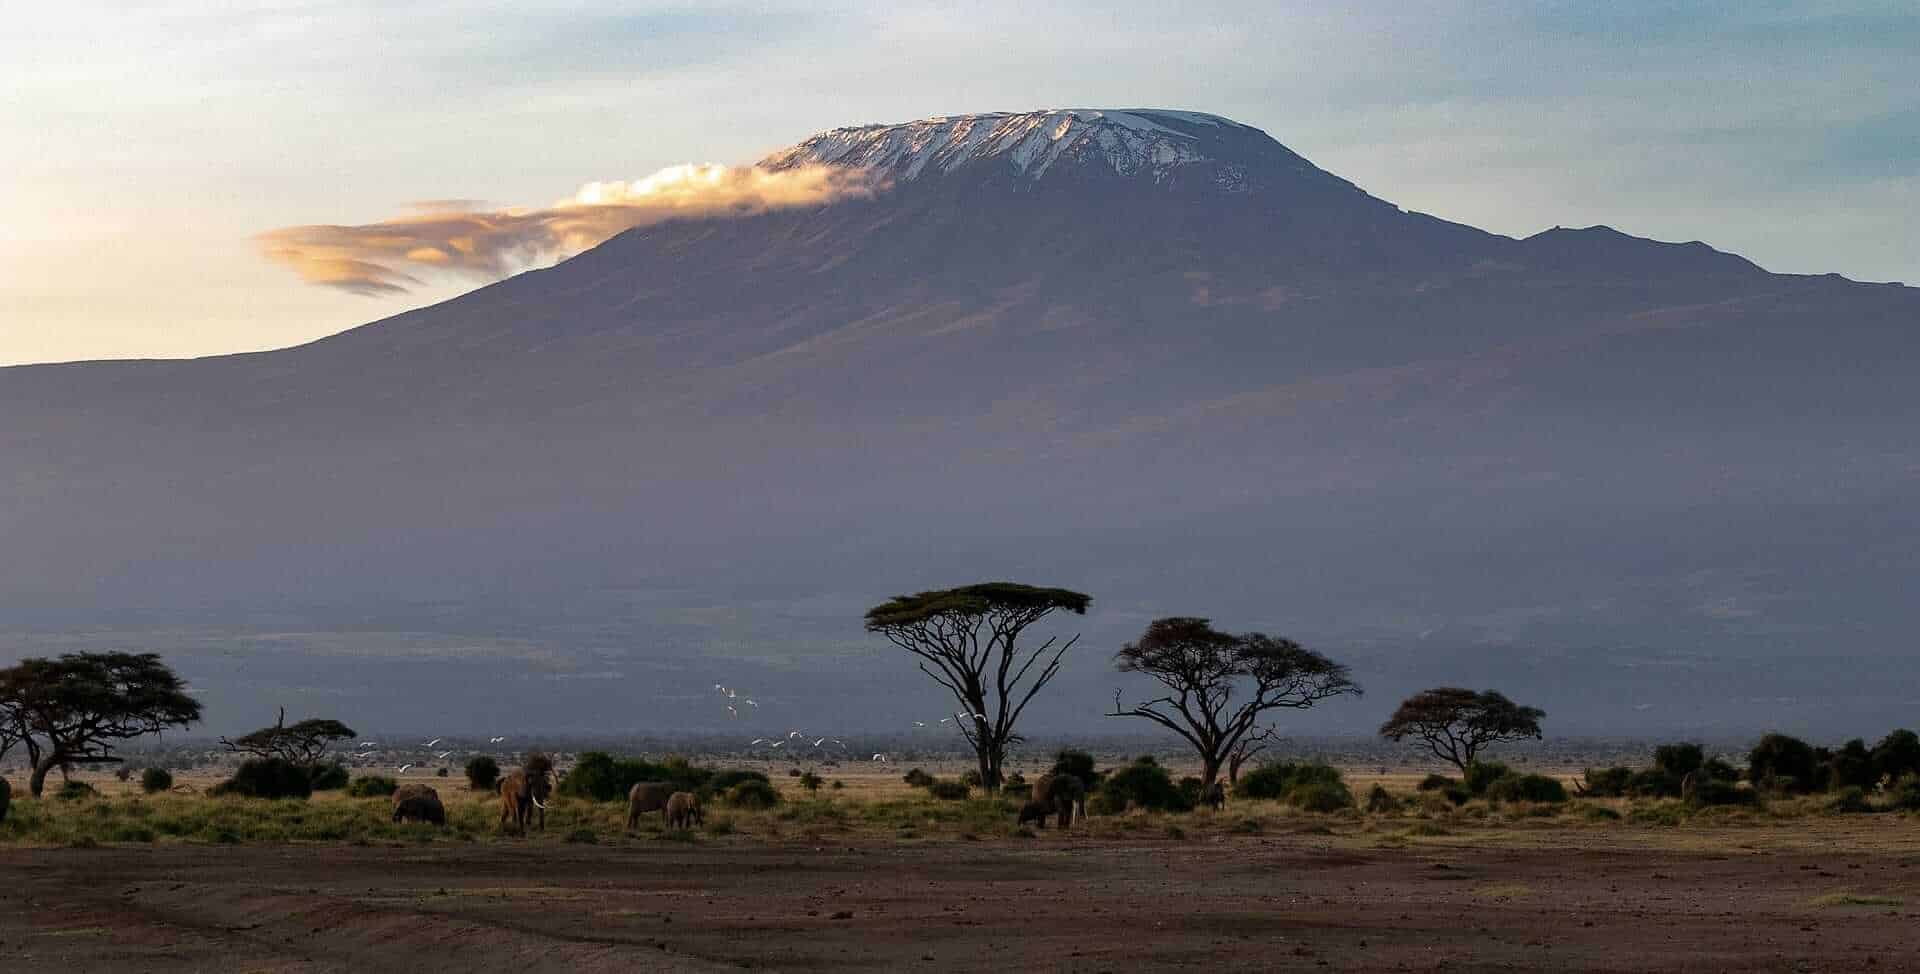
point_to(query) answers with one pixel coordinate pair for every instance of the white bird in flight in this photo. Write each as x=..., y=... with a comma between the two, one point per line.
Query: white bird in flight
x=819, y=742
x=919, y=723
x=732, y=712
x=433, y=743
x=757, y=740
x=495, y=740
x=793, y=734
x=752, y=704
x=879, y=757
x=369, y=744
x=443, y=755
x=404, y=767
x=778, y=743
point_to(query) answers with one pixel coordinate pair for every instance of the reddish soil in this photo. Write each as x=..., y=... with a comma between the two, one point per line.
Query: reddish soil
x=1246, y=903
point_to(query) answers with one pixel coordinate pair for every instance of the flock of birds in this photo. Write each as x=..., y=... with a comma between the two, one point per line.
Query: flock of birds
x=365, y=748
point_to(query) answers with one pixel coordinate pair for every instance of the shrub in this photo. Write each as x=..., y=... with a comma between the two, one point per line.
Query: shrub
x=1458, y=795
x=917, y=778
x=1527, y=788
x=723, y=781
x=1079, y=764
x=811, y=782
x=951, y=791
x=483, y=773
x=1437, y=782
x=1653, y=783
x=1320, y=796
x=372, y=786
x=601, y=777
x=1380, y=801
x=268, y=778
x=1190, y=789
x=1904, y=795
x=1678, y=760
x=793, y=772
x=1280, y=778
x=1720, y=770
x=155, y=779
x=73, y=791
x=1482, y=774
x=1851, y=800
x=583, y=837
x=1897, y=755
x=441, y=773
x=1718, y=791
x=753, y=793
x=1852, y=767
x=1599, y=813
x=1023, y=790
x=837, y=784
x=1608, y=782
x=123, y=773
x=970, y=778
x=331, y=776
x=1142, y=784
x=1782, y=763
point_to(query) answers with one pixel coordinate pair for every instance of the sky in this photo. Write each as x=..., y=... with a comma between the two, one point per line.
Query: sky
x=150, y=151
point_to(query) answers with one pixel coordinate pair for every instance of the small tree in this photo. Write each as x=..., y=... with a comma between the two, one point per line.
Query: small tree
x=1249, y=747
x=1204, y=670
x=1457, y=724
x=302, y=745
x=967, y=639
x=483, y=773
x=74, y=709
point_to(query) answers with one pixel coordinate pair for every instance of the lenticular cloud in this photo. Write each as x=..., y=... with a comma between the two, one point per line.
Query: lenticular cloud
x=459, y=237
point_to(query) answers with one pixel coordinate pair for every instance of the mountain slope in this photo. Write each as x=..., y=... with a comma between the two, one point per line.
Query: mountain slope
x=1153, y=355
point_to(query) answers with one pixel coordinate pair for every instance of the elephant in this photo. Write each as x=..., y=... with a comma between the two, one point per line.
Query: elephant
x=526, y=791
x=418, y=803
x=1064, y=793
x=683, y=810
x=6, y=798
x=647, y=796
x=1035, y=812
x=1213, y=796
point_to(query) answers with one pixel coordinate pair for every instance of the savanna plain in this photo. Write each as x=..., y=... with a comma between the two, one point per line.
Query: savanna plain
x=866, y=872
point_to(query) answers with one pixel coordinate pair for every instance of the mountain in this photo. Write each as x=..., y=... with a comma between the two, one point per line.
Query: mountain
x=1152, y=355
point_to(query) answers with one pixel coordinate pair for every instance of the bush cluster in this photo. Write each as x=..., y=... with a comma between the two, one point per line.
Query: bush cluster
x=331, y=776
x=372, y=786
x=1142, y=784
x=268, y=778
x=1312, y=786
x=601, y=777
x=155, y=780
x=752, y=793
x=483, y=774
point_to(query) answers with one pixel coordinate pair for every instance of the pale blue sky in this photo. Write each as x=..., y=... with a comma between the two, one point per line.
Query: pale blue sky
x=145, y=144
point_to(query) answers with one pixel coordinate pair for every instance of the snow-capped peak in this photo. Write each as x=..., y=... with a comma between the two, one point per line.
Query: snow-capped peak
x=1130, y=142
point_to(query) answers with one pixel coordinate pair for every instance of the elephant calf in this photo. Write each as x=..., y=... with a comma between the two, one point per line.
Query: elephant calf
x=647, y=796
x=418, y=803
x=683, y=810
x=1035, y=812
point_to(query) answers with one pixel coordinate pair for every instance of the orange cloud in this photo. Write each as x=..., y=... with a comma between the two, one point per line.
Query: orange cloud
x=459, y=237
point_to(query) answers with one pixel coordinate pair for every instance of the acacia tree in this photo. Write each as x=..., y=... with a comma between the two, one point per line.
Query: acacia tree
x=1249, y=746
x=303, y=744
x=73, y=709
x=1220, y=684
x=967, y=640
x=1456, y=724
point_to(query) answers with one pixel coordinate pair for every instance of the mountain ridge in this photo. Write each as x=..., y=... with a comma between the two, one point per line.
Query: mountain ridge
x=711, y=443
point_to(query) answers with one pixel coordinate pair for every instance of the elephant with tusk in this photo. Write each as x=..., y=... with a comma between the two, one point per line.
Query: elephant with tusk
x=683, y=810
x=526, y=791
x=1063, y=793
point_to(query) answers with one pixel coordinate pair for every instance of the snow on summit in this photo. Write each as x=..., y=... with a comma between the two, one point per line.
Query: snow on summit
x=1130, y=142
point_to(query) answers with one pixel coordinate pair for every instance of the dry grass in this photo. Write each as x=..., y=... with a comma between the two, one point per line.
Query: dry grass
x=874, y=806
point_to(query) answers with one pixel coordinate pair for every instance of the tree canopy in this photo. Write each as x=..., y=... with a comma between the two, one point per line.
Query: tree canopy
x=1456, y=724
x=1219, y=684
x=966, y=639
x=73, y=709
x=302, y=744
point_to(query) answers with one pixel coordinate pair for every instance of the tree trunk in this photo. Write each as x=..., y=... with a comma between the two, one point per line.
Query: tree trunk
x=1210, y=773
x=38, y=782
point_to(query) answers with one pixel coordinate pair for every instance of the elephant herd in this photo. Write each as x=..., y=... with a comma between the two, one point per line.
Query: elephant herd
x=524, y=794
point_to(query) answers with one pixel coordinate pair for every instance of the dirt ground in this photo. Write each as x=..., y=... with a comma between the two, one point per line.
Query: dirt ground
x=1055, y=903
